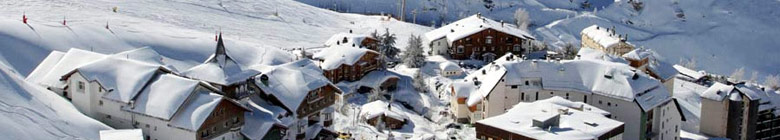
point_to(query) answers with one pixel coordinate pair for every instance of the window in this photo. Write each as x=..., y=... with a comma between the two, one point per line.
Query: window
x=517, y=48
x=526, y=83
x=108, y=116
x=537, y=96
x=460, y=49
x=489, y=40
x=522, y=96
x=514, y=86
x=81, y=86
x=100, y=89
x=100, y=103
x=586, y=99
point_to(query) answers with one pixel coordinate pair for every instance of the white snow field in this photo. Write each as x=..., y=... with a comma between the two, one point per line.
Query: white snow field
x=721, y=35
x=28, y=111
x=181, y=30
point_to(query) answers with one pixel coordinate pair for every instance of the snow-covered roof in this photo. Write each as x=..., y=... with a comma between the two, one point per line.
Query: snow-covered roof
x=334, y=56
x=376, y=78
x=616, y=80
x=718, y=91
x=234, y=63
x=593, y=54
x=122, y=134
x=57, y=64
x=488, y=80
x=379, y=108
x=291, y=82
x=449, y=66
x=72, y=59
x=122, y=78
x=164, y=96
x=216, y=69
x=45, y=66
x=554, y=75
x=625, y=83
x=352, y=40
x=258, y=122
x=473, y=24
x=145, y=54
x=588, y=122
x=688, y=72
x=601, y=35
x=639, y=54
x=463, y=88
x=195, y=112
x=663, y=70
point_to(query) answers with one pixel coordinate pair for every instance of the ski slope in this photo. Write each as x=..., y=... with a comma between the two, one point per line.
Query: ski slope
x=181, y=30
x=721, y=35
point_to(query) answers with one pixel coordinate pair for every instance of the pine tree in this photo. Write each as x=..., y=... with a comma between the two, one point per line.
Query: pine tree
x=413, y=57
x=386, y=46
x=738, y=74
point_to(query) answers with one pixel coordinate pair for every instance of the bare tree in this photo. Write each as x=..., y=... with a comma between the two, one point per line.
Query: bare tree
x=522, y=20
x=772, y=81
x=688, y=63
x=738, y=74
x=754, y=77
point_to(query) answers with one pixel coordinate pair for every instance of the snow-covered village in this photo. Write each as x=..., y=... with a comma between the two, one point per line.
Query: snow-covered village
x=390, y=70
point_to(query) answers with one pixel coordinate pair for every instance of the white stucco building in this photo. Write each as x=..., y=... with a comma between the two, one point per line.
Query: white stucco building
x=632, y=97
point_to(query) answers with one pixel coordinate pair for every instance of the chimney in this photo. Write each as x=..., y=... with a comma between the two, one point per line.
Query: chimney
x=502, y=23
x=546, y=121
x=597, y=27
x=264, y=79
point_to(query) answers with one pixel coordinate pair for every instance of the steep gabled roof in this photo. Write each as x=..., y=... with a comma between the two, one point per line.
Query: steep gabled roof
x=164, y=96
x=347, y=40
x=473, y=24
x=291, y=82
x=229, y=65
x=123, y=79
x=334, y=56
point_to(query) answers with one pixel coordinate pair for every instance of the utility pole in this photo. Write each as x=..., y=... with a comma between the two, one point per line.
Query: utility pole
x=403, y=10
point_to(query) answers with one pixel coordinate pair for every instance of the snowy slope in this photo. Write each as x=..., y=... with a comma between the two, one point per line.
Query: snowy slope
x=722, y=35
x=28, y=111
x=181, y=30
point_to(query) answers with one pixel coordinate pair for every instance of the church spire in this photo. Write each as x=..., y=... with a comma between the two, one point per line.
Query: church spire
x=220, y=46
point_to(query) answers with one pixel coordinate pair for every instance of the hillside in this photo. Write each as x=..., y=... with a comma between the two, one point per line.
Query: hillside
x=721, y=35
x=181, y=30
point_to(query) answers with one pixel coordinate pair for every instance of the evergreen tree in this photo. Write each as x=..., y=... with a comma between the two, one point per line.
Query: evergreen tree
x=386, y=46
x=413, y=57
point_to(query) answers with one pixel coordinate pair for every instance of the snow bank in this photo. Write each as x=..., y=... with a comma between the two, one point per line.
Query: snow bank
x=28, y=111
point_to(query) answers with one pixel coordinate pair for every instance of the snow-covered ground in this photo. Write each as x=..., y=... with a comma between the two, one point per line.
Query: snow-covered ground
x=721, y=35
x=28, y=111
x=183, y=32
